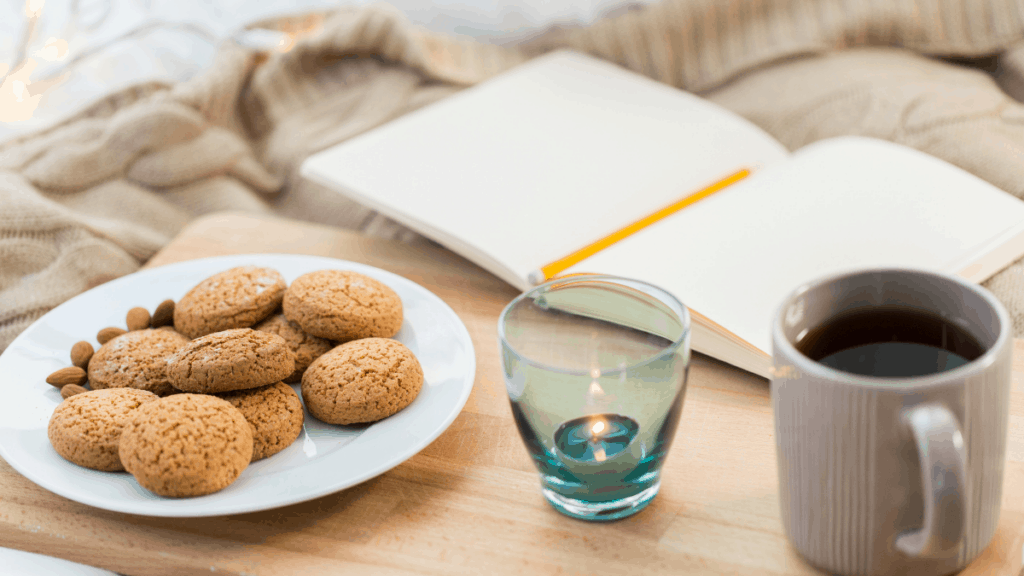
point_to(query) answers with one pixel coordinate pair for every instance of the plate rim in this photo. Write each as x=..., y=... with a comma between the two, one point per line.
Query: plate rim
x=170, y=512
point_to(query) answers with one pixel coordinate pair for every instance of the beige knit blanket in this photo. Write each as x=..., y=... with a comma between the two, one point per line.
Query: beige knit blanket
x=95, y=196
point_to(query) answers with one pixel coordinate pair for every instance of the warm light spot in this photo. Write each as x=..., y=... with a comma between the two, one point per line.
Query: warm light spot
x=286, y=43
x=17, y=102
x=599, y=454
x=783, y=372
x=54, y=49
x=598, y=427
x=33, y=7
x=595, y=389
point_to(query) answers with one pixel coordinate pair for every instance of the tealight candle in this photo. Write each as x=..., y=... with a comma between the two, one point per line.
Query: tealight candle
x=595, y=368
x=599, y=444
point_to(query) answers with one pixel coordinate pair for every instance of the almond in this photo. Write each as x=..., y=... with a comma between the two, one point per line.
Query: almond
x=81, y=352
x=138, y=318
x=70, y=390
x=164, y=314
x=108, y=334
x=66, y=376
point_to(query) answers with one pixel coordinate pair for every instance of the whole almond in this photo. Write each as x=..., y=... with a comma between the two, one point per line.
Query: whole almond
x=138, y=318
x=66, y=376
x=164, y=314
x=108, y=334
x=70, y=390
x=81, y=352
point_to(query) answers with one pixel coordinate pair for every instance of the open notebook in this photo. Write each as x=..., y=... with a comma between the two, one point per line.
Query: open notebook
x=570, y=164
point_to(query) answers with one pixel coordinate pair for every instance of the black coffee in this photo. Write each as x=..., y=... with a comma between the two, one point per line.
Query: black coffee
x=890, y=343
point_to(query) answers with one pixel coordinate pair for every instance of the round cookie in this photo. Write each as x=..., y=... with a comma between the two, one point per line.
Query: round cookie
x=274, y=413
x=136, y=359
x=230, y=360
x=86, y=428
x=362, y=381
x=342, y=305
x=186, y=445
x=235, y=298
x=305, y=346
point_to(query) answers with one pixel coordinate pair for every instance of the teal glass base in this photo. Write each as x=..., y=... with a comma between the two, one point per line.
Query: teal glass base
x=602, y=511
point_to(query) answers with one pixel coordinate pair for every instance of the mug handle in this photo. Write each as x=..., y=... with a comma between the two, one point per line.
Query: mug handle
x=940, y=447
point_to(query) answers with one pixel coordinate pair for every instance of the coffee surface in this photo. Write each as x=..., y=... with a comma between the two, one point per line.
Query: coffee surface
x=890, y=343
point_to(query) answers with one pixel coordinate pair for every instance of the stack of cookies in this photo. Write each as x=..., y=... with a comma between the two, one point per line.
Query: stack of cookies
x=188, y=397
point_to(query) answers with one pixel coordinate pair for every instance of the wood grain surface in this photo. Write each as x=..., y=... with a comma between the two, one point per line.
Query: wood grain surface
x=470, y=502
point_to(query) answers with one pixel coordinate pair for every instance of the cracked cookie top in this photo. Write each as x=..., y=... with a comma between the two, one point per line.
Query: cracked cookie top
x=230, y=360
x=86, y=428
x=274, y=413
x=186, y=445
x=136, y=359
x=362, y=381
x=235, y=298
x=342, y=305
x=306, y=346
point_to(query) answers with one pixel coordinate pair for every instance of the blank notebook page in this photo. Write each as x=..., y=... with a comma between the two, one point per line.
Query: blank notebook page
x=538, y=162
x=840, y=204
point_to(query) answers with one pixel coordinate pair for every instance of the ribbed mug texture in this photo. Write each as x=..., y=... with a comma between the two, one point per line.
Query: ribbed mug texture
x=849, y=471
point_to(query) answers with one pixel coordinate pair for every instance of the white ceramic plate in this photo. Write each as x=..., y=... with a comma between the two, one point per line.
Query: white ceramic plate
x=325, y=459
x=18, y=563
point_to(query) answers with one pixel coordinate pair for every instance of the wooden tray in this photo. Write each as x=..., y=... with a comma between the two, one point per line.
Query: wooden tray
x=470, y=502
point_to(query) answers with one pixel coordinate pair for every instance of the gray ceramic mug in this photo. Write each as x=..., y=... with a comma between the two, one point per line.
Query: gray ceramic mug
x=890, y=475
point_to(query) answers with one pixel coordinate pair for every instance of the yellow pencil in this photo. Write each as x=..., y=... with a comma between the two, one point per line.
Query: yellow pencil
x=549, y=271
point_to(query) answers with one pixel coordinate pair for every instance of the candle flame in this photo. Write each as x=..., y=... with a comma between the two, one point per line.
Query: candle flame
x=598, y=427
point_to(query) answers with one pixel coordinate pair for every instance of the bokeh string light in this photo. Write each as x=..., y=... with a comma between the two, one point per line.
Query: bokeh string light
x=20, y=93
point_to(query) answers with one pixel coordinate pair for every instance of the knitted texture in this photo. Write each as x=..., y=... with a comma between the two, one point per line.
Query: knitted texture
x=701, y=44
x=92, y=198
x=95, y=196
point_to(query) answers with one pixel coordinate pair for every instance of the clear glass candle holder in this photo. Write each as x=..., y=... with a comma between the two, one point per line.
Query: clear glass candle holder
x=595, y=368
